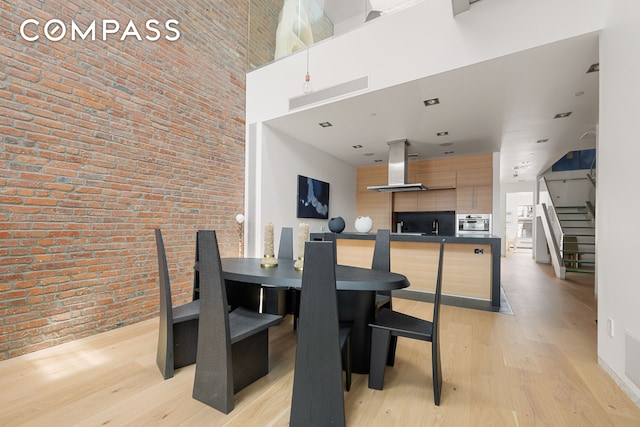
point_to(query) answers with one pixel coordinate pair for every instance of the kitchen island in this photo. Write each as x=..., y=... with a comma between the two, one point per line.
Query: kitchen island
x=471, y=270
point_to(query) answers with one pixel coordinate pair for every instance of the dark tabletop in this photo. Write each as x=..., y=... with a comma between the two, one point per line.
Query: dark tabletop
x=248, y=270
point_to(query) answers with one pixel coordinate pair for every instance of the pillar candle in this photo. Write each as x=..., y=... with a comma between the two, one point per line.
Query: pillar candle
x=268, y=239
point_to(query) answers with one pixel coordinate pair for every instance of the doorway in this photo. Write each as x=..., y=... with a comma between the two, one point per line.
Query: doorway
x=519, y=222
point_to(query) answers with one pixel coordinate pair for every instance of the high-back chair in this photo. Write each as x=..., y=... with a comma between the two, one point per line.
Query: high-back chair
x=382, y=262
x=317, y=382
x=389, y=323
x=178, y=332
x=233, y=347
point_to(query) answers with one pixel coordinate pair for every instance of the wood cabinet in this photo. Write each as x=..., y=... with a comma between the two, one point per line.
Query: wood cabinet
x=437, y=180
x=474, y=192
x=467, y=273
x=406, y=201
x=474, y=199
x=437, y=200
x=373, y=204
x=462, y=184
x=474, y=177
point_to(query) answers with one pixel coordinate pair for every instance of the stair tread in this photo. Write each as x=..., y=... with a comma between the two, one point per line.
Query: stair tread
x=580, y=270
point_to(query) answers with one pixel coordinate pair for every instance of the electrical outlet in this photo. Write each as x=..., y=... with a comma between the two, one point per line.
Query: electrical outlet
x=610, y=329
x=478, y=251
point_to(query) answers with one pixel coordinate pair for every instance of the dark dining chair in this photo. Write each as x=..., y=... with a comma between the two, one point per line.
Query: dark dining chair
x=389, y=325
x=318, y=397
x=178, y=331
x=278, y=299
x=233, y=346
x=382, y=262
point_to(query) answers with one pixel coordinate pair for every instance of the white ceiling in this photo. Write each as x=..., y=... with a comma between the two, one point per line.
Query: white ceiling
x=504, y=105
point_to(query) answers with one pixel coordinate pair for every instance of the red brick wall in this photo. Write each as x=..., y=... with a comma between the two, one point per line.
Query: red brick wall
x=103, y=141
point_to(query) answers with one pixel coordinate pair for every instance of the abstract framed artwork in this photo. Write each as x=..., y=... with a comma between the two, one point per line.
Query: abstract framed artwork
x=313, y=198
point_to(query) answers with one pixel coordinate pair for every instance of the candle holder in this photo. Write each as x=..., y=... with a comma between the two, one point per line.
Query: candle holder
x=269, y=261
x=299, y=264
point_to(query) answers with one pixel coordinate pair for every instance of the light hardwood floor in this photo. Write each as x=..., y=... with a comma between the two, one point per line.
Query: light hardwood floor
x=537, y=367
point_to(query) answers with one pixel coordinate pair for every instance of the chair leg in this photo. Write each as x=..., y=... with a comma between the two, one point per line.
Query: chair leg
x=391, y=356
x=380, y=339
x=346, y=362
x=436, y=372
x=295, y=307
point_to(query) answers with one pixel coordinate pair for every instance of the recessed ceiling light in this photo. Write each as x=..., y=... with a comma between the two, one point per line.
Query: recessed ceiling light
x=594, y=68
x=541, y=141
x=444, y=133
x=579, y=93
x=412, y=155
x=368, y=154
x=449, y=152
x=377, y=160
x=446, y=144
x=521, y=180
x=357, y=146
x=430, y=102
x=325, y=124
x=562, y=115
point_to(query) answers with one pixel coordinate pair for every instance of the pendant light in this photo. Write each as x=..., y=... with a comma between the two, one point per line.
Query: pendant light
x=307, y=88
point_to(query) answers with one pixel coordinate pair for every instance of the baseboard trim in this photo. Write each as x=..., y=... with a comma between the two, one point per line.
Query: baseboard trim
x=619, y=382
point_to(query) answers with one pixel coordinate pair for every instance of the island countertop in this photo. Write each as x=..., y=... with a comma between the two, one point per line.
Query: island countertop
x=417, y=237
x=471, y=276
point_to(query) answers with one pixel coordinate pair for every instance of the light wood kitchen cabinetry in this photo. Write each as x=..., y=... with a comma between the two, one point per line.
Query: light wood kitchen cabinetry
x=437, y=200
x=471, y=276
x=474, y=193
x=373, y=204
x=406, y=201
x=474, y=199
x=463, y=184
x=474, y=177
x=437, y=180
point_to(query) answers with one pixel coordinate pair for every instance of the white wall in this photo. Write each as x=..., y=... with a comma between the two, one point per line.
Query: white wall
x=618, y=154
x=417, y=42
x=284, y=158
x=414, y=43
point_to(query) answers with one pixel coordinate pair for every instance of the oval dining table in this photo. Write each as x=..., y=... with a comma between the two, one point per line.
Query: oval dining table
x=356, y=294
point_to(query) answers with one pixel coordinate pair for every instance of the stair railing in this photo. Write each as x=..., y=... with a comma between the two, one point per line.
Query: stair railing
x=591, y=203
x=554, y=248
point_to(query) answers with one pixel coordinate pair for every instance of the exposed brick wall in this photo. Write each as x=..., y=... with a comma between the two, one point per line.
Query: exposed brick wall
x=103, y=141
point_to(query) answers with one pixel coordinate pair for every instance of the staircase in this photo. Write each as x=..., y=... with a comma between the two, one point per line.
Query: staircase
x=578, y=243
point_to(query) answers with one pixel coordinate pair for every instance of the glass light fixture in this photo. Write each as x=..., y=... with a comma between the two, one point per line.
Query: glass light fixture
x=307, y=88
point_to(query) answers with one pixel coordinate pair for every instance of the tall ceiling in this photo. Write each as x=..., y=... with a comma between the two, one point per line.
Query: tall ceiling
x=504, y=105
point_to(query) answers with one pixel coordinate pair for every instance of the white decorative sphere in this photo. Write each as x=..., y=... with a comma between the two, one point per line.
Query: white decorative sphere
x=364, y=224
x=240, y=218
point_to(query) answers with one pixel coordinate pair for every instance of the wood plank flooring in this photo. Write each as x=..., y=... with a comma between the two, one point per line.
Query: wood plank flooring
x=537, y=367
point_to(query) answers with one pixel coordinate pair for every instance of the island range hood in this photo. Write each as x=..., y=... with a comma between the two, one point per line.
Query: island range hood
x=398, y=168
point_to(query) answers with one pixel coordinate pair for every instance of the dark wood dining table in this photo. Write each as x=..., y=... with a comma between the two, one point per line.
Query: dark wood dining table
x=356, y=297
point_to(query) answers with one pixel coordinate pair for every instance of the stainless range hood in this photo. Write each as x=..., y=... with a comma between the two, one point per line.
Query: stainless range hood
x=398, y=168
